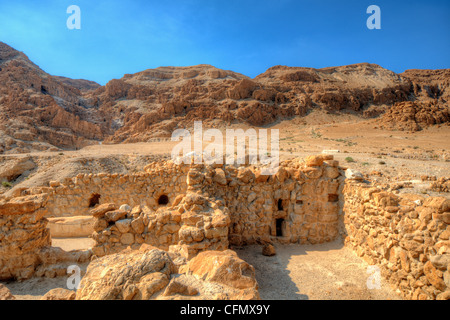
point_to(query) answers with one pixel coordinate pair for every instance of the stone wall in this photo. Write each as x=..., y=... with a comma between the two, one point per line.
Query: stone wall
x=407, y=237
x=25, y=242
x=23, y=232
x=78, y=195
x=194, y=223
x=236, y=205
x=299, y=204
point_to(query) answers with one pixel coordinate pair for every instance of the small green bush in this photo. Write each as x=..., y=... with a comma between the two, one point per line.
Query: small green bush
x=349, y=159
x=6, y=184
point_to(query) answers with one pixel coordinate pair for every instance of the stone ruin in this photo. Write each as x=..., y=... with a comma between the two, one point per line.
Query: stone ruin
x=188, y=210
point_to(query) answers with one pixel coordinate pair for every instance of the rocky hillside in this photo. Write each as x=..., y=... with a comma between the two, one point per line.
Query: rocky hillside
x=80, y=84
x=42, y=112
x=38, y=111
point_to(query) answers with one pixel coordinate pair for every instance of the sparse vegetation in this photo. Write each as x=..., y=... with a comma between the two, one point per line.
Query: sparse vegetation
x=316, y=135
x=347, y=143
x=349, y=159
x=6, y=184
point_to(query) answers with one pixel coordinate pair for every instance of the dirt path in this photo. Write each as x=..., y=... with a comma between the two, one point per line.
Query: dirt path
x=320, y=272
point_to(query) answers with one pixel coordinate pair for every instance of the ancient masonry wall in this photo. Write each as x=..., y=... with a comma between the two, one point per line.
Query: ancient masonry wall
x=25, y=242
x=77, y=196
x=299, y=204
x=23, y=232
x=228, y=205
x=407, y=240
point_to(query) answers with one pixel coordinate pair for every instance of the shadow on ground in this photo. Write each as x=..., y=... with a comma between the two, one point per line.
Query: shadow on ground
x=327, y=271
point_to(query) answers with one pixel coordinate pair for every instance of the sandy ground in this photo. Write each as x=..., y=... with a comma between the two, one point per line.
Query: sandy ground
x=69, y=244
x=35, y=288
x=399, y=155
x=313, y=272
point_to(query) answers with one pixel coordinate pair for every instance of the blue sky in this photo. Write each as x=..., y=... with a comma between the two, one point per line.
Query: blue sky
x=246, y=36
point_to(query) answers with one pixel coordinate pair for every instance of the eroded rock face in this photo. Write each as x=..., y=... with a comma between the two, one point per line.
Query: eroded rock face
x=38, y=111
x=43, y=112
x=150, y=274
x=415, y=116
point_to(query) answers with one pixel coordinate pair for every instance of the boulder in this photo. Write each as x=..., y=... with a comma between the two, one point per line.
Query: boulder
x=151, y=274
x=59, y=294
x=131, y=275
x=269, y=250
x=11, y=170
x=314, y=161
x=5, y=294
x=354, y=175
x=100, y=210
x=224, y=267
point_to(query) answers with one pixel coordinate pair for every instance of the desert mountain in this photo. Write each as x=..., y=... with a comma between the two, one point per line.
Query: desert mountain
x=80, y=84
x=40, y=111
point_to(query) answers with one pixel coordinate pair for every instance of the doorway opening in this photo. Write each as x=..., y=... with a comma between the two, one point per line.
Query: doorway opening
x=279, y=227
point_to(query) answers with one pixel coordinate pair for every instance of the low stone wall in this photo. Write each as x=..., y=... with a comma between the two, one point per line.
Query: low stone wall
x=407, y=239
x=78, y=195
x=193, y=224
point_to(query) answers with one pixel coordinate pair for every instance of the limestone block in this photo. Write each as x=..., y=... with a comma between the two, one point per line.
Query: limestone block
x=71, y=227
x=124, y=225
